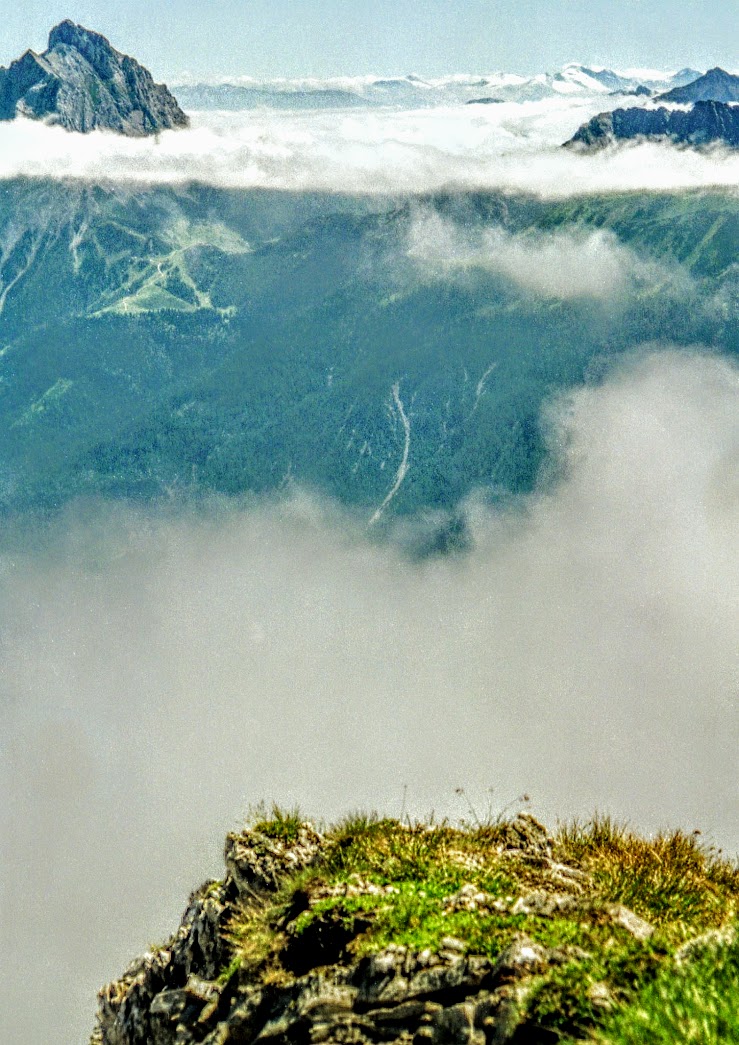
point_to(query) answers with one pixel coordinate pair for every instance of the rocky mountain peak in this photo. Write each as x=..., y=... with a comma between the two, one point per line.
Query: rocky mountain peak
x=94, y=47
x=714, y=86
x=350, y=936
x=67, y=32
x=83, y=83
x=717, y=74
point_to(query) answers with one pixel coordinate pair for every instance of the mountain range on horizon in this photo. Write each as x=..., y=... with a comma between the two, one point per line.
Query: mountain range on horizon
x=575, y=74
x=82, y=83
x=573, y=79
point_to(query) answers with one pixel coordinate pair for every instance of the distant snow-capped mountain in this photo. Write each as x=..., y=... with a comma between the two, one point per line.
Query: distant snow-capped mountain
x=573, y=79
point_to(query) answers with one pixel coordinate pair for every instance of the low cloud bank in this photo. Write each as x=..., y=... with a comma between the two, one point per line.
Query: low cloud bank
x=510, y=147
x=565, y=264
x=160, y=674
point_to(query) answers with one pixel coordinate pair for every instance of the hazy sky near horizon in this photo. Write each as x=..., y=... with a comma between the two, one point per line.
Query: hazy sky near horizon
x=266, y=38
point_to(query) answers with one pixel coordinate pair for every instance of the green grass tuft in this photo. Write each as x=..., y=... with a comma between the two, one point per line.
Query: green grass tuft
x=695, y=1004
x=670, y=880
x=280, y=824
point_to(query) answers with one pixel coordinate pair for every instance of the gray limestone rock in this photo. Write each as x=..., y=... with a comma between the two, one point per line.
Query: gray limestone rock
x=321, y=988
x=525, y=832
x=257, y=863
x=544, y=904
x=631, y=922
x=705, y=942
x=522, y=958
x=82, y=83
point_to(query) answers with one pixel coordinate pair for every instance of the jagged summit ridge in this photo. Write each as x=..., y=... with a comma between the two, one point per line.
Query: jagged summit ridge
x=713, y=116
x=82, y=83
x=706, y=123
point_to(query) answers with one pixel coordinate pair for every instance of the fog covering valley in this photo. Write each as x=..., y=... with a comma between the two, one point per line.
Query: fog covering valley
x=348, y=455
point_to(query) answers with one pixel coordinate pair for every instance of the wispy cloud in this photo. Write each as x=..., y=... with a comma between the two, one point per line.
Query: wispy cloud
x=566, y=264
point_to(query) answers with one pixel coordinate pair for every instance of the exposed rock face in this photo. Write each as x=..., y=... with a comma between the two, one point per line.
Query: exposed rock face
x=704, y=124
x=258, y=866
x=176, y=977
x=191, y=990
x=716, y=86
x=179, y=984
x=82, y=83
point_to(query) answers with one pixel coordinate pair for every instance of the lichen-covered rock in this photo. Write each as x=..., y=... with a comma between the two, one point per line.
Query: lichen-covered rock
x=82, y=83
x=397, y=975
x=166, y=989
x=395, y=995
x=127, y=1014
x=525, y=832
x=258, y=862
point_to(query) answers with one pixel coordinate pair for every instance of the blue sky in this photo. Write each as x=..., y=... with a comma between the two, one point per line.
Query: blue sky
x=331, y=37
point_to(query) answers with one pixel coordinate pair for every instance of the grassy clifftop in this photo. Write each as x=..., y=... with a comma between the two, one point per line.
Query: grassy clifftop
x=381, y=931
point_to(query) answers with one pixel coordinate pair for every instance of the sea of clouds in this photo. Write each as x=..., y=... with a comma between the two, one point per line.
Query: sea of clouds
x=509, y=146
x=160, y=672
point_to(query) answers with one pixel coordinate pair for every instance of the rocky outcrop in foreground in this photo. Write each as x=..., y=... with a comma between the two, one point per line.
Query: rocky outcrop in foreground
x=706, y=123
x=381, y=932
x=82, y=83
